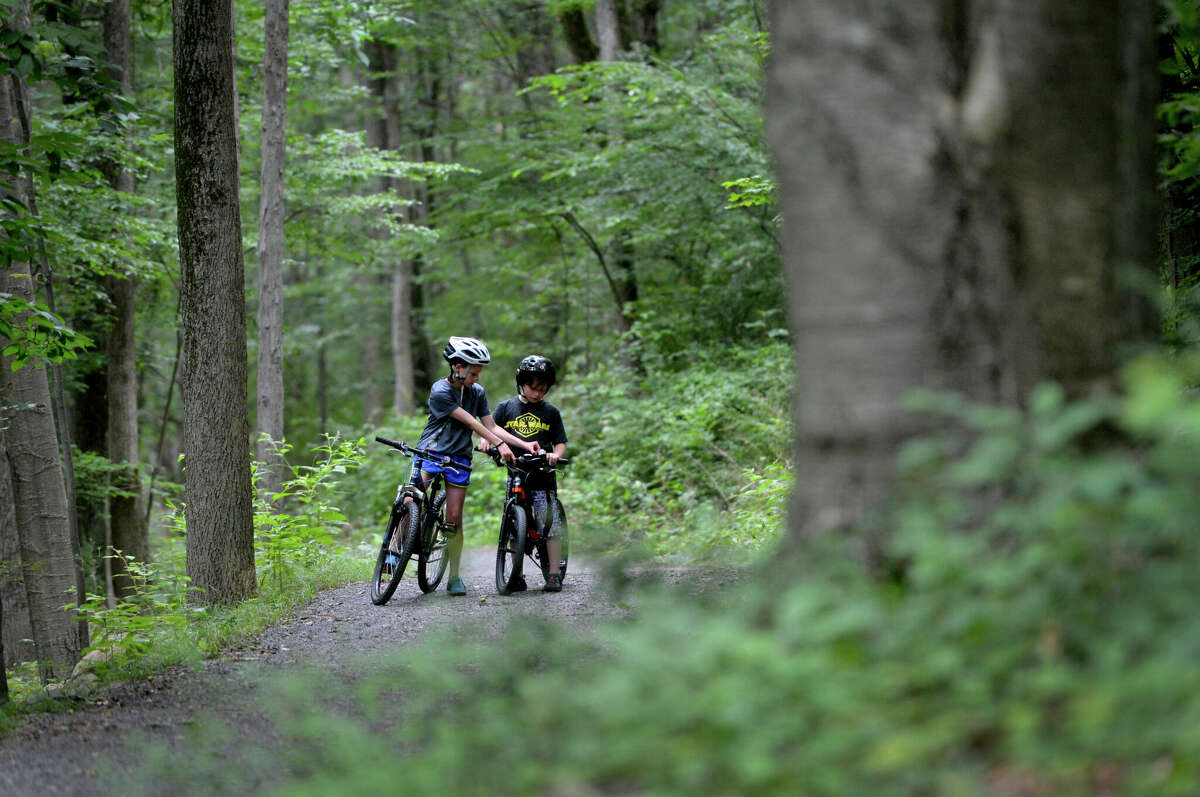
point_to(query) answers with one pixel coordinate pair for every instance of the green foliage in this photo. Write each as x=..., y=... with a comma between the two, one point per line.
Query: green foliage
x=665, y=459
x=290, y=542
x=32, y=332
x=156, y=603
x=751, y=192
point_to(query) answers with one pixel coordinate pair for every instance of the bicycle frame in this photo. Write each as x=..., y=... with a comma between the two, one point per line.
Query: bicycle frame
x=419, y=509
x=529, y=538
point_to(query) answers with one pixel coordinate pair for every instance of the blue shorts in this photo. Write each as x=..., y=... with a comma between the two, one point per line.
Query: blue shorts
x=459, y=477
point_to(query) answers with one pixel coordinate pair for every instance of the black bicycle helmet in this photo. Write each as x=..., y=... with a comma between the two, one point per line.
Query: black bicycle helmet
x=467, y=350
x=536, y=368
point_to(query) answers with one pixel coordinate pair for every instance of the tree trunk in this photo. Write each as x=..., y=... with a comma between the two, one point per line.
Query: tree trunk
x=403, y=402
x=271, y=246
x=42, y=514
x=575, y=32
x=128, y=533
x=220, y=531
x=383, y=132
x=16, y=634
x=608, y=30
x=960, y=187
x=643, y=23
x=48, y=565
x=3, y=672
x=532, y=31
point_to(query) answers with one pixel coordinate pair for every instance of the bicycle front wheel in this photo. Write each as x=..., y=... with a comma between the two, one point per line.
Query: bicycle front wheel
x=401, y=527
x=510, y=552
x=433, y=557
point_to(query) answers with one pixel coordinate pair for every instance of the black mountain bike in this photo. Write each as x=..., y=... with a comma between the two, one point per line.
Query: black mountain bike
x=520, y=534
x=418, y=524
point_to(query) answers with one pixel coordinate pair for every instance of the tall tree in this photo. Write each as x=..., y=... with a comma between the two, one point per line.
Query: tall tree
x=220, y=531
x=608, y=30
x=271, y=244
x=128, y=533
x=16, y=634
x=961, y=186
x=575, y=32
x=48, y=548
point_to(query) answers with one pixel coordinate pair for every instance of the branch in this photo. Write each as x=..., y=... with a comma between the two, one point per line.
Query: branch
x=569, y=218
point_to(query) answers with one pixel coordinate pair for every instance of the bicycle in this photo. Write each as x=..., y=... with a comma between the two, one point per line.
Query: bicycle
x=518, y=537
x=419, y=516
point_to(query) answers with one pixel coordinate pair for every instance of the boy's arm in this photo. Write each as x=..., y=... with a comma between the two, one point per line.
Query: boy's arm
x=468, y=420
x=509, y=437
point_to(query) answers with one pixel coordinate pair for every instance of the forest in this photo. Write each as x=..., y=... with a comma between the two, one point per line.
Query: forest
x=890, y=307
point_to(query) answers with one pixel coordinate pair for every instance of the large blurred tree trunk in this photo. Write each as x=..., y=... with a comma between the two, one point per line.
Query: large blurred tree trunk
x=608, y=30
x=962, y=185
x=271, y=246
x=220, y=530
x=128, y=533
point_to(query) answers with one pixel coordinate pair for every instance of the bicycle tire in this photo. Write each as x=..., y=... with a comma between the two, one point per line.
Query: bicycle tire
x=433, y=556
x=385, y=579
x=510, y=550
x=562, y=538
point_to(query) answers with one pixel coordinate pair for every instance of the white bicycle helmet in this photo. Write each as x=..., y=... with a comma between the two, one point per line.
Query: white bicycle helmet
x=468, y=350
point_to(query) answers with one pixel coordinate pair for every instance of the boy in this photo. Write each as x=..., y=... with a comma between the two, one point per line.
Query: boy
x=538, y=423
x=458, y=406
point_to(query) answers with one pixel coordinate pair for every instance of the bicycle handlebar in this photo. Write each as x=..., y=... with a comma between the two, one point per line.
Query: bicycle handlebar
x=525, y=461
x=421, y=453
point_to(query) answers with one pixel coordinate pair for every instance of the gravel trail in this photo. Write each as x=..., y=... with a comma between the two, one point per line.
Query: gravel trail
x=90, y=749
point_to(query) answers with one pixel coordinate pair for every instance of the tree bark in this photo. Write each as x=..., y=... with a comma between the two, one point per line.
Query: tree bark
x=961, y=186
x=271, y=246
x=48, y=548
x=128, y=533
x=643, y=23
x=575, y=32
x=220, y=531
x=16, y=634
x=608, y=30
x=48, y=565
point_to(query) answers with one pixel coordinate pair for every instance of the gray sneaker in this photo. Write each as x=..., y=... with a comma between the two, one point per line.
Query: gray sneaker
x=455, y=586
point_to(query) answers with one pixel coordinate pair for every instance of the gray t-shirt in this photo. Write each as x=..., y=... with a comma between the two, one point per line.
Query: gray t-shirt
x=444, y=434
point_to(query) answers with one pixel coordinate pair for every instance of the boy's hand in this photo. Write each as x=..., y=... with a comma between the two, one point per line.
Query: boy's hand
x=551, y=458
x=506, y=453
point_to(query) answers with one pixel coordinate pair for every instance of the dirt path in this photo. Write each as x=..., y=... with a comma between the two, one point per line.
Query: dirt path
x=91, y=749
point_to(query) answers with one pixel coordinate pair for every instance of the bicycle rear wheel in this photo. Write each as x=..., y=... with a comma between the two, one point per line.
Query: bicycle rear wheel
x=510, y=551
x=385, y=579
x=433, y=557
x=560, y=518
x=563, y=538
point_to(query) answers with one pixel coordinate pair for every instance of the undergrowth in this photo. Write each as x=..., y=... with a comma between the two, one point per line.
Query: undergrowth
x=301, y=549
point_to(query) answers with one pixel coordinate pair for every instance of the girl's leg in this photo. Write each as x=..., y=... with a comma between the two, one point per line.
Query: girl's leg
x=455, y=498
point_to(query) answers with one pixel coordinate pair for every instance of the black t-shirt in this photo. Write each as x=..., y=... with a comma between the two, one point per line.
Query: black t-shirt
x=444, y=434
x=541, y=421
